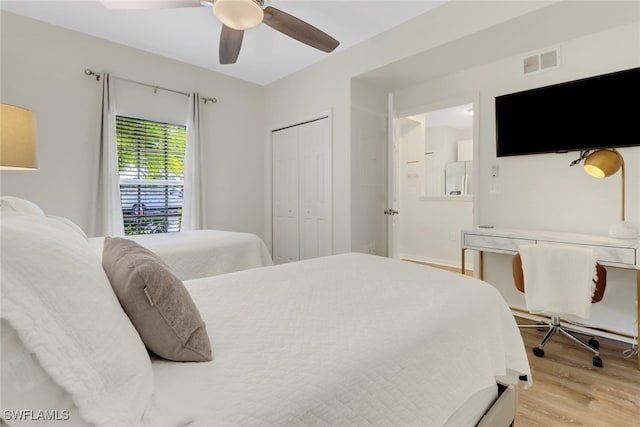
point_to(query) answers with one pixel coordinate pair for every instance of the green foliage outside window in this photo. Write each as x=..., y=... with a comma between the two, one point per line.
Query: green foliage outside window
x=151, y=167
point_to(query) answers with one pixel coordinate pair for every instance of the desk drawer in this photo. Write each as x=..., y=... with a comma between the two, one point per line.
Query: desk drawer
x=495, y=243
x=606, y=254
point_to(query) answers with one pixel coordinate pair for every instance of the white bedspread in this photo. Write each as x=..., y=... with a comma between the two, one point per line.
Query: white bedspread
x=344, y=340
x=202, y=253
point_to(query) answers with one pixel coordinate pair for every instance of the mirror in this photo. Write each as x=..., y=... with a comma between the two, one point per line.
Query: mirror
x=445, y=136
x=457, y=178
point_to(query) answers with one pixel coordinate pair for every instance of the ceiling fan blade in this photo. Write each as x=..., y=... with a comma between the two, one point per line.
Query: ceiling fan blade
x=298, y=29
x=230, y=44
x=149, y=4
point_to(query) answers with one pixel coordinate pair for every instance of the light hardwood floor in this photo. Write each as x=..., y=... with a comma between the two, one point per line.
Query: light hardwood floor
x=569, y=391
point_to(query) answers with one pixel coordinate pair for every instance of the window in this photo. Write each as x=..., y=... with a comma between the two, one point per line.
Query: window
x=151, y=166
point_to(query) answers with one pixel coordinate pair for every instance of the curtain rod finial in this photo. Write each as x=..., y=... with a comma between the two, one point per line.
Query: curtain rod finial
x=89, y=72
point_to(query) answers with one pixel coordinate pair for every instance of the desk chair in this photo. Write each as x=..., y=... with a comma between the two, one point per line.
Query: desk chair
x=553, y=323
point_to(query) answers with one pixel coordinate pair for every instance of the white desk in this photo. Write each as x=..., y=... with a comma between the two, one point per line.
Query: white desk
x=611, y=252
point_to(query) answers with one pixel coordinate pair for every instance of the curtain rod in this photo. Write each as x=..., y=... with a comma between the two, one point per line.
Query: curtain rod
x=89, y=72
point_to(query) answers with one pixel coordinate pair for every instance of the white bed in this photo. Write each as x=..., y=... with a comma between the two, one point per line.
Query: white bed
x=202, y=253
x=350, y=339
x=344, y=340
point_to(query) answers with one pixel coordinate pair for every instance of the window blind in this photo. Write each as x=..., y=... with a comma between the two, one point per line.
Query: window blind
x=151, y=168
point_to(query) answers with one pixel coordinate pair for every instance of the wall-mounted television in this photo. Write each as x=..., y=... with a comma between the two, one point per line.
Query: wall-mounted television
x=595, y=112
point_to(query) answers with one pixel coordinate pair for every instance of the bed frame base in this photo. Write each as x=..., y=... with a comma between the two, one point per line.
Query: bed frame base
x=503, y=410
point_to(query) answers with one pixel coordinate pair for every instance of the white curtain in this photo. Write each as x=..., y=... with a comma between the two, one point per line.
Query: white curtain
x=108, y=215
x=192, y=202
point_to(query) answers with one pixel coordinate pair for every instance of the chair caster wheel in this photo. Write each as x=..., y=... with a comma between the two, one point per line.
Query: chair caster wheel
x=540, y=352
x=597, y=361
x=594, y=343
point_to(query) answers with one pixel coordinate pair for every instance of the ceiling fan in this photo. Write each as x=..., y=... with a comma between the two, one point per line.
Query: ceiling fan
x=236, y=17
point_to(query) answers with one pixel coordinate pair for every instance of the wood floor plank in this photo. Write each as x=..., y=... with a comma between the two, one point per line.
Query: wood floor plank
x=569, y=391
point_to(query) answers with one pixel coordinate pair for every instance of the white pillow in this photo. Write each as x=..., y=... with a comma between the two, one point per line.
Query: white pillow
x=72, y=225
x=59, y=301
x=16, y=204
x=27, y=385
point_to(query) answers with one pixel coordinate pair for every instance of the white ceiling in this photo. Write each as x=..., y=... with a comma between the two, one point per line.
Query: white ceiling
x=191, y=35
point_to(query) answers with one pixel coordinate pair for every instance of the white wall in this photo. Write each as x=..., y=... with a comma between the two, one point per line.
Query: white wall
x=327, y=85
x=542, y=191
x=429, y=227
x=368, y=168
x=559, y=197
x=42, y=69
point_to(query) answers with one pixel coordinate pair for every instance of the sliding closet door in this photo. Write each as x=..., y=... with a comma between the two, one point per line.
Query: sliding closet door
x=315, y=189
x=302, y=211
x=285, y=195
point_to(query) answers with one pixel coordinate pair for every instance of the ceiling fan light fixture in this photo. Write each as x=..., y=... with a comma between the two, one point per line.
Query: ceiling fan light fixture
x=239, y=14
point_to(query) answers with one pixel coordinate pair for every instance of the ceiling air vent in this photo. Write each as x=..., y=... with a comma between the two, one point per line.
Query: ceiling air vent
x=541, y=61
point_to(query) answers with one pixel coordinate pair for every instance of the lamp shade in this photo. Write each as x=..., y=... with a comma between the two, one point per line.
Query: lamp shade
x=603, y=163
x=17, y=138
x=239, y=14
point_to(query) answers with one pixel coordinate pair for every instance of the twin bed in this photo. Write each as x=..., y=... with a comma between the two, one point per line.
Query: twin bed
x=349, y=339
x=202, y=253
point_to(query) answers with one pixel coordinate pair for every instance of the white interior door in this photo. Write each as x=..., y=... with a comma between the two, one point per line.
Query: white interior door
x=393, y=181
x=285, y=195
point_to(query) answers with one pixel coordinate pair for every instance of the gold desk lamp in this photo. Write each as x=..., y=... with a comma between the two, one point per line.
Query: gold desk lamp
x=604, y=163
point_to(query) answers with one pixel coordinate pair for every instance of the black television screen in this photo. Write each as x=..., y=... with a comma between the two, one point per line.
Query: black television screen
x=596, y=112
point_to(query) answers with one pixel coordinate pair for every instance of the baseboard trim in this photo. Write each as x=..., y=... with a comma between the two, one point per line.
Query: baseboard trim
x=452, y=268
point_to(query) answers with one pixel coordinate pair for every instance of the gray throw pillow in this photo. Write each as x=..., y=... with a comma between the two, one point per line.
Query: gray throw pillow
x=156, y=301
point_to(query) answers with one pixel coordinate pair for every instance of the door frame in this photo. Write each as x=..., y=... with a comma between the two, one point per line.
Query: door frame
x=393, y=172
x=394, y=178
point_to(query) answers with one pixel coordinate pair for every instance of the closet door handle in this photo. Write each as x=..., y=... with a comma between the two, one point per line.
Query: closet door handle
x=391, y=212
